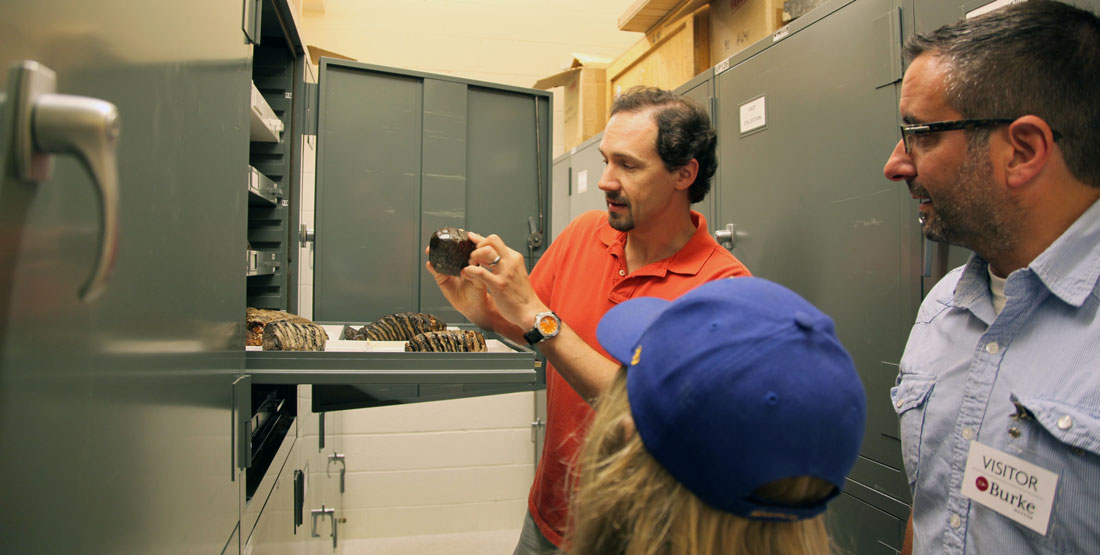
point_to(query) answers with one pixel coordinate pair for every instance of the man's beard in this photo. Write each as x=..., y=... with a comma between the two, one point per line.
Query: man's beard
x=620, y=221
x=971, y=213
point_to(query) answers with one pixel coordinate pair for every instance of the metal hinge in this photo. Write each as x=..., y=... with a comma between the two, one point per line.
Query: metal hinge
x=324, y=512
x=338, y=458
x=537, y=425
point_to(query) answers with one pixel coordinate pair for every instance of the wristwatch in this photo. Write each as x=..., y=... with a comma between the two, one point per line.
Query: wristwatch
x=547, y=325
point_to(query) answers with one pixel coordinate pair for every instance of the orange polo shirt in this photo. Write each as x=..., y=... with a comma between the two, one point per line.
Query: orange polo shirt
x=581, y=276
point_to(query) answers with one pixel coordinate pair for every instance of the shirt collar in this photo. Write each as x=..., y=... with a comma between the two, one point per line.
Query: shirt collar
x=688, y=260
x=1069, y=267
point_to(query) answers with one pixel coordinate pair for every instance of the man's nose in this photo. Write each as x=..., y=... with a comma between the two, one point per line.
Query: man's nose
x=607, y=182
x=899, y=166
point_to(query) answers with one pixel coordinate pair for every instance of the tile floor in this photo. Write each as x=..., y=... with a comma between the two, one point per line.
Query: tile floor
x=496, y=542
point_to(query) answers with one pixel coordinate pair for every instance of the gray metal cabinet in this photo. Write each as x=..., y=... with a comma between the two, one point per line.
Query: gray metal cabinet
x=399, y=154
x=806, y=120
x=115, y=414
x=586, y=165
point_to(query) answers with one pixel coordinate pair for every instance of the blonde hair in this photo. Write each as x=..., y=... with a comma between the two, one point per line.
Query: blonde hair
x=626, y=503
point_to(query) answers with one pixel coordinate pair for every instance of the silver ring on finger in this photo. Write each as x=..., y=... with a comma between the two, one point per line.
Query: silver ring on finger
x=494, y=262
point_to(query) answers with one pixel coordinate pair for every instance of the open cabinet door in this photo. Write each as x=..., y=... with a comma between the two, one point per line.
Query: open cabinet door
x=401, y=154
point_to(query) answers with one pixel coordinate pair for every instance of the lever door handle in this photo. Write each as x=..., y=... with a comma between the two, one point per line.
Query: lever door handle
x=47, y=123
x=727, y=236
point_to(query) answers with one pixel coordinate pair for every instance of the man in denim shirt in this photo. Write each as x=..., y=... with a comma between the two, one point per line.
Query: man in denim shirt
x=999, y=390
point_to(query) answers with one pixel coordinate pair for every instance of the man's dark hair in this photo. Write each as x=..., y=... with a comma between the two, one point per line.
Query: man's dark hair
x=1037, y=57
x=683, y=132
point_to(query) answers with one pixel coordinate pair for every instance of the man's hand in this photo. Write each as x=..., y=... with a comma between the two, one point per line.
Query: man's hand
x=495, y=293
x=500, y=272
x=466, y=296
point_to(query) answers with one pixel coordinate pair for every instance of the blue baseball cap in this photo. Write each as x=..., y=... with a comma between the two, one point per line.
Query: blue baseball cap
x=737, y=383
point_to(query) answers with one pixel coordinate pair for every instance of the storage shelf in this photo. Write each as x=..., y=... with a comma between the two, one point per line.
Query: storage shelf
x=262, y=187
x=261, y=263
x=266, y=126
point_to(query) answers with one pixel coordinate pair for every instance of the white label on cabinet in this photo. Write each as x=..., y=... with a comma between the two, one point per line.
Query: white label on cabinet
x=753, y=115
x=582, y=181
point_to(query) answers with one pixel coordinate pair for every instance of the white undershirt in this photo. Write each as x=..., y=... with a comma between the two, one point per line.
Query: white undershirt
x=997, y=288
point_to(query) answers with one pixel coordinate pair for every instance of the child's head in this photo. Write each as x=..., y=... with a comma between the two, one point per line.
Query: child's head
x=736, y=419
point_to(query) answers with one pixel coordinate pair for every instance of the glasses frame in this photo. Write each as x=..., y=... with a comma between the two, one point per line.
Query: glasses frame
x=908, y=131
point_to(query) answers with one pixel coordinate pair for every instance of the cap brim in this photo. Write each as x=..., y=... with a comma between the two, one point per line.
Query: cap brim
x=621, y=327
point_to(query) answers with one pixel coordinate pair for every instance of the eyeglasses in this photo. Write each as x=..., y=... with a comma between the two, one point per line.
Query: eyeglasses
x=908, y=132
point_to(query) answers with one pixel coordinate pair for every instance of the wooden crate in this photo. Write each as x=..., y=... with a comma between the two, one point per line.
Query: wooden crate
x=736, y=24
x=667, y=57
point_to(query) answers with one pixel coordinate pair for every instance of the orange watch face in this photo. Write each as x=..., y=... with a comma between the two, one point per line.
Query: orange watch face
x=548, y=325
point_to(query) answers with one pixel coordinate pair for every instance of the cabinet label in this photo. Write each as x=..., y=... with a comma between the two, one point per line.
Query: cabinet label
x=582, y=181
x=753, y=115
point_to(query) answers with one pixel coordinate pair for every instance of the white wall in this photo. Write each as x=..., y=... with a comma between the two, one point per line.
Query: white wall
x=467, y=464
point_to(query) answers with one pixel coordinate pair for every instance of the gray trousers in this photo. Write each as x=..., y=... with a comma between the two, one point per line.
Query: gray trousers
x=532, y=542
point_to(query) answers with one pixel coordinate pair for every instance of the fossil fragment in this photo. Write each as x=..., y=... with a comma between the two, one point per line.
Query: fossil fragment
x=285, y=335
x=448, y=341
x=256, y=319
x=400, y=326
x=449, y=250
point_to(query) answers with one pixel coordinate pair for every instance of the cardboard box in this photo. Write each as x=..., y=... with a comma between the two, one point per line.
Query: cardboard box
x=667, y=57
x=585, y=97
x=736, y=24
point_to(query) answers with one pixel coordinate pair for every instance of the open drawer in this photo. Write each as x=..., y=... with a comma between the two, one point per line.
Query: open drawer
x=358, y=374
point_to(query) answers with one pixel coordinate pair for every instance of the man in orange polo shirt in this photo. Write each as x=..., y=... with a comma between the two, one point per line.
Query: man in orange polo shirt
x=659, y=155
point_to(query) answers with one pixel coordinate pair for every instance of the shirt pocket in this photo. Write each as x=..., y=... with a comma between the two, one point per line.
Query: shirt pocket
x=1064, y=438
x=908, y=398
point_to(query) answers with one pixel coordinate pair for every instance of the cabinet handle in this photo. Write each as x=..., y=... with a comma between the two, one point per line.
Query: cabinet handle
x=46, y=123
x=727, y=237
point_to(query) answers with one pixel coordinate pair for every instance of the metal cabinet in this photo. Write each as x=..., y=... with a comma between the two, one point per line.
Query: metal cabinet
x=115, y=418
x=701, y=90
x=398, y=154
x=806, y=120
x=134, y=388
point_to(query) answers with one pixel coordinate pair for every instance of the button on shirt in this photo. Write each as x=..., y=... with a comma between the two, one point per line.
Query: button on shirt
x=1025, y=381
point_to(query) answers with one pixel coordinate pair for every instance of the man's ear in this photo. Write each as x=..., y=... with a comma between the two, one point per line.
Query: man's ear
x=685, y=175
x=1032, y=143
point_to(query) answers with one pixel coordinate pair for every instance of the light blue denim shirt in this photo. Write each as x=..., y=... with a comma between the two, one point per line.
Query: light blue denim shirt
x=1025, y=382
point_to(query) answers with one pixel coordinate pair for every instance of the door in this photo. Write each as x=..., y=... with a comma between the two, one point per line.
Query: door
x=115, y=412
x=401, y=154
x=806, y=120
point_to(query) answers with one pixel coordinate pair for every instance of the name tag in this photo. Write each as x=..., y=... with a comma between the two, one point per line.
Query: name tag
x=1010, y=485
